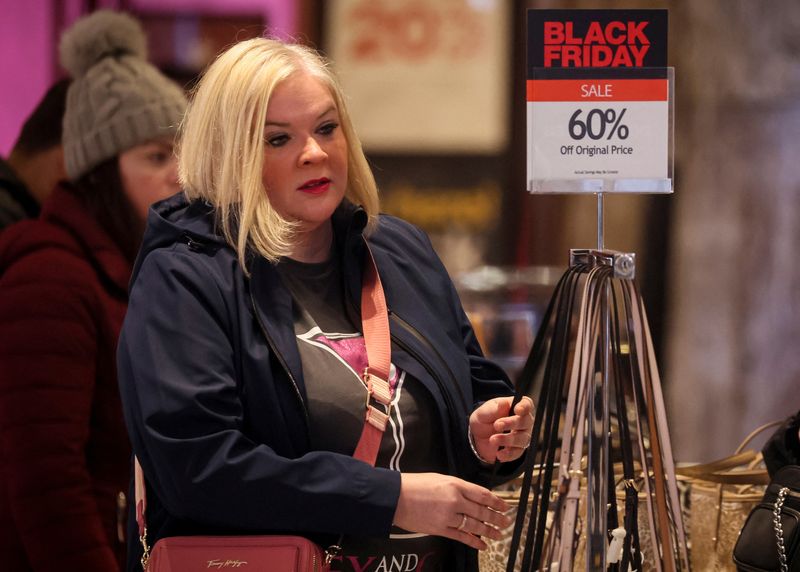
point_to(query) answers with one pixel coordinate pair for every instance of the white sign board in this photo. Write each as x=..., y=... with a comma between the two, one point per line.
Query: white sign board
x=609, y=128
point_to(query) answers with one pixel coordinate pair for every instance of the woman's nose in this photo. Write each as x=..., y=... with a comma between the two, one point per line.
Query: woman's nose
x=312, y=152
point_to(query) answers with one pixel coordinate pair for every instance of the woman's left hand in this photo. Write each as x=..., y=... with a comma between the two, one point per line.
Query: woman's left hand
x=493, y=426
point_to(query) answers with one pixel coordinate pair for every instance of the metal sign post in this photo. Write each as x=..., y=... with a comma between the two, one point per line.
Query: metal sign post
x=600, y=120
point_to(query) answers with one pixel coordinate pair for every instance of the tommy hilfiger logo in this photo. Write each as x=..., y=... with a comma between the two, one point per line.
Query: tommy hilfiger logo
x=219, y=564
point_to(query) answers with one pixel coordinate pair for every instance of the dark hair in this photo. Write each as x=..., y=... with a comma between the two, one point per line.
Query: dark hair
x=42, y=129
x=103, y=194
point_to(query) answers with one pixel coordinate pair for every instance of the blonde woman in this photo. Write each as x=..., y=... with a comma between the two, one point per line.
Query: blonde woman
x=240, y=358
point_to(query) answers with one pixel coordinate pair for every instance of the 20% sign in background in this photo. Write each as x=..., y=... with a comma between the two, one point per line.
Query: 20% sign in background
x=613, y=128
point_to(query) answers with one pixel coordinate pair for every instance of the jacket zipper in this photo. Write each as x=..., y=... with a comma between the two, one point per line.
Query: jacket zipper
x=424, y=341
x=282, y=361
x=443, y=390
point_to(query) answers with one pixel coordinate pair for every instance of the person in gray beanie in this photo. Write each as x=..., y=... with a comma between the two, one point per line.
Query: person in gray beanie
x=64, y=451
x=117, y=99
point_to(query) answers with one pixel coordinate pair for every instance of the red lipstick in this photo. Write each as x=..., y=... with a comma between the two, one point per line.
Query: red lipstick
x=315, y=186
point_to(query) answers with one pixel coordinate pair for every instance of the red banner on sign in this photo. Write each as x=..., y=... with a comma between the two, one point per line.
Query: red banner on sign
x=598, y=90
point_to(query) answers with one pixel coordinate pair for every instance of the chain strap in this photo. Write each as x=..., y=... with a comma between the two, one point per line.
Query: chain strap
x=145, y=550
x=776, y=521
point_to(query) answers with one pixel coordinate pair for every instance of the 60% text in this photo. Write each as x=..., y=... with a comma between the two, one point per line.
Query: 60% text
x=597, y=120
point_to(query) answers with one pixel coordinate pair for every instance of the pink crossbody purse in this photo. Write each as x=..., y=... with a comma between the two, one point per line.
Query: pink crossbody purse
x=285, y=553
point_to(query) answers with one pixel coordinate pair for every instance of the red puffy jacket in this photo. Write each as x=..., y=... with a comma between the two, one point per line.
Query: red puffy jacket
x=64, y=452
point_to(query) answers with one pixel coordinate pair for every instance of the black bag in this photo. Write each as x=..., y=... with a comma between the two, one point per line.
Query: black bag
x=758, y=548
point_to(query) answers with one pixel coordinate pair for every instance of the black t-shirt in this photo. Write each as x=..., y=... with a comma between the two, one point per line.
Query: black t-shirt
x=333, y=356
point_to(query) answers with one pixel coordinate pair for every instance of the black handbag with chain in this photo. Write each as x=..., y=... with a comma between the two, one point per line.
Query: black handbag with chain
x=770, y=537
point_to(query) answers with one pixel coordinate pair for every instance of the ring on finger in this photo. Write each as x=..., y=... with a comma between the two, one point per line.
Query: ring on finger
x=463, y=522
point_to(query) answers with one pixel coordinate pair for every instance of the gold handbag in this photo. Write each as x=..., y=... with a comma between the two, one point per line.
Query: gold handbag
x=721, y=495
x=712, y=531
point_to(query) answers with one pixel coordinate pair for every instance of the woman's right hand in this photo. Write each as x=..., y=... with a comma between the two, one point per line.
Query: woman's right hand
x=447, y=506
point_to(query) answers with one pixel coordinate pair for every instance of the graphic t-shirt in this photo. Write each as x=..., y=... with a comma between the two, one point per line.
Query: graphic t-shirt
x=333, y=356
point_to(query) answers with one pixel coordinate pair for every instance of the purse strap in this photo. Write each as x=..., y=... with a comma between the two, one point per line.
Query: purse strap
x=377, y=341
x=375, y=325
x=778, y=526
x=726, y=470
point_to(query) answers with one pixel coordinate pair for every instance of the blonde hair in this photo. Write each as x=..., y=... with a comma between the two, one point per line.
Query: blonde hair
x=221, y=143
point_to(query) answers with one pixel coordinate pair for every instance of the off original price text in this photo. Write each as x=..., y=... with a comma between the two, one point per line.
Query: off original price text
x=592, y=150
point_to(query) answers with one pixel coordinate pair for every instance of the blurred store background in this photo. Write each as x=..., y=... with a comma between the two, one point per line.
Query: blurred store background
x=437, y=94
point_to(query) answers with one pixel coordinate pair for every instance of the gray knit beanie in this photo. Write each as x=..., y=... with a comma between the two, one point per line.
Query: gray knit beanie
x=117, y=99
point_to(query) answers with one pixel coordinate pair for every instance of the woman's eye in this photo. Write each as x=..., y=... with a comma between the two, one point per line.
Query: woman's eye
x=158, y=158
x=277, y=140
x=328, y=128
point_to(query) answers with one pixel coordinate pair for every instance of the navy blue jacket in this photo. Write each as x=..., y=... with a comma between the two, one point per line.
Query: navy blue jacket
x=212, y=384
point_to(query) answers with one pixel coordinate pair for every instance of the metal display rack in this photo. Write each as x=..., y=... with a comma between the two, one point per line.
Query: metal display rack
x=601, y=430
x=599, y=489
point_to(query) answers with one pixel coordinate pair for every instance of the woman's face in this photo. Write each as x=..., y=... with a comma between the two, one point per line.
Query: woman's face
x=305, y=153
x=149, y=173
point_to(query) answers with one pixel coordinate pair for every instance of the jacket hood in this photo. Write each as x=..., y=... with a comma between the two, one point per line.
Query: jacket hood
x=178, y=220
